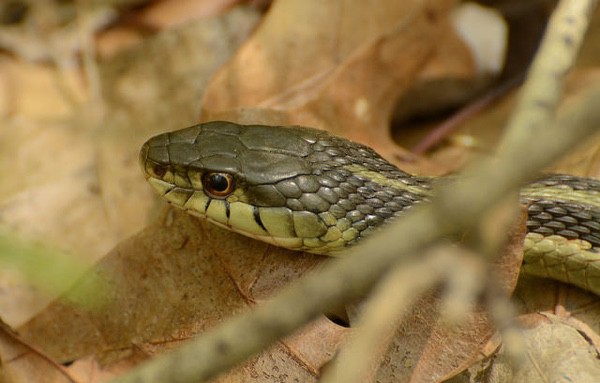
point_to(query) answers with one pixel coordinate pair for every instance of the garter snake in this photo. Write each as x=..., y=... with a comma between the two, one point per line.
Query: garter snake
x=305, y=189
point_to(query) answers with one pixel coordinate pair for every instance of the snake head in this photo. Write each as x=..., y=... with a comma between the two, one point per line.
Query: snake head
x=228, y=161
x=240, y=177
x=296, y=187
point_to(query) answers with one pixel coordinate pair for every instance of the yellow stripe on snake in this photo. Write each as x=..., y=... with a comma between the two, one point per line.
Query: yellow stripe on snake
x=305, y=189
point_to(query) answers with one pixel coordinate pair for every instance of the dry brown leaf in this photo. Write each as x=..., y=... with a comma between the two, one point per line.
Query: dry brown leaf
x=309, y=62
x=22, y=363
x=535, y=294
x=172, y=281
x=558, y=349
x=298, y=358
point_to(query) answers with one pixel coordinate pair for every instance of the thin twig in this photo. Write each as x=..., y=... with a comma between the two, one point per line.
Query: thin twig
x=541, y=92
x=358, y=361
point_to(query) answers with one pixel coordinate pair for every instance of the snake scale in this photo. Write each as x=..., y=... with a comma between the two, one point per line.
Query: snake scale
x=305, y=189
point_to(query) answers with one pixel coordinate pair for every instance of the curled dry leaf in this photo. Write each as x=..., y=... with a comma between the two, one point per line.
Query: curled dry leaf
x=534, y=294
x=310, y=63
x=559, y=349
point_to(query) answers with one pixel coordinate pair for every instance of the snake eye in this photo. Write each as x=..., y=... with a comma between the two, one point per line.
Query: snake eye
x=218, y=184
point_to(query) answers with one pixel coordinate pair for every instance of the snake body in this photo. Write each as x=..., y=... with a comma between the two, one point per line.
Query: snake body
x=305, y=189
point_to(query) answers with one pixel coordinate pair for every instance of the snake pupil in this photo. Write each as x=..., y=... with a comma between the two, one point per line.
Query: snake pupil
x=218, y=184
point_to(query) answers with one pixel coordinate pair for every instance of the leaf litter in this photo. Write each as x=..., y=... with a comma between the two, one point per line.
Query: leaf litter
x=180, y=276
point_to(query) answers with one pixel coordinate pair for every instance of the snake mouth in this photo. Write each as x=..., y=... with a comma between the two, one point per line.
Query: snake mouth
x=271, y=225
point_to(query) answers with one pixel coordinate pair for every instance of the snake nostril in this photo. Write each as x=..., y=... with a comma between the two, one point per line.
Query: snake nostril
x=159, y=170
